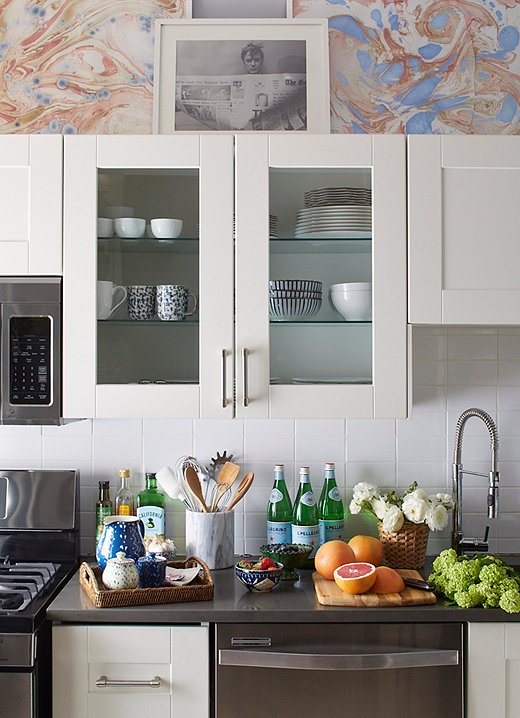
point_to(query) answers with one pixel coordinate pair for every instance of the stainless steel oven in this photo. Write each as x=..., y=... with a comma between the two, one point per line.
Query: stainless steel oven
x=365, y=670
x=30, y=324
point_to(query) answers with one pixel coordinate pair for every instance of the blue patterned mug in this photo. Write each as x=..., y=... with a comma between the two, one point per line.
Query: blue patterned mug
x=172, y=302
x=120, y=533
x=141, y=301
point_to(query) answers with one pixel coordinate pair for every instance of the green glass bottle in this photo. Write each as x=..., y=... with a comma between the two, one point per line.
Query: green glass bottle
x=279, y=510
x=305, y=527
x=331, y=512
x=150, y=508
x=104, y=507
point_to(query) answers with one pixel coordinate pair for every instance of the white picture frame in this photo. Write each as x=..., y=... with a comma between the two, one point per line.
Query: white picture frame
x=205, y=78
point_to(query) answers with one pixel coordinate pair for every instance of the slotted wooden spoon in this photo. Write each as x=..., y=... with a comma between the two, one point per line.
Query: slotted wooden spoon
x=243, y=488
x=226, y=478
x=193, y=482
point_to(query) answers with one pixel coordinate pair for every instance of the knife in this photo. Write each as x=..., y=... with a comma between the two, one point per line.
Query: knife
x=417, y=583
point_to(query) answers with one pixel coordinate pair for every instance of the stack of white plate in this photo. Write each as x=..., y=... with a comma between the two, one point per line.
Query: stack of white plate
x=325, y=196
x=341, y=221
x=294, y=299
x=273, y=226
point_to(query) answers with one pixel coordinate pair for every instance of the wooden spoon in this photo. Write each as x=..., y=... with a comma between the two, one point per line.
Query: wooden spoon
x=193, y=482
x=243, y=488
x=226, y=478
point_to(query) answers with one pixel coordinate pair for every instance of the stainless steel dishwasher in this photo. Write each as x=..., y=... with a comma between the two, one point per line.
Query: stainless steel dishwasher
x=364, y=670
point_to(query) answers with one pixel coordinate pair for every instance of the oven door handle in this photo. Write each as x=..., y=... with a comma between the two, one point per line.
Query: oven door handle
x=339, y=662
x=104, y=682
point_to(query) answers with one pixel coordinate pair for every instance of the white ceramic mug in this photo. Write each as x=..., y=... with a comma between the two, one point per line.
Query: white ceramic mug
x=105, y=227
x=106, y=292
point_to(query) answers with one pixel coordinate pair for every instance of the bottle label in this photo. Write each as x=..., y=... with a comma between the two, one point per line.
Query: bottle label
x=153, y=519
x=308, y=535
x=308, y=499
x=101, y=513
x=279, y=532
x=276, y=496
x=334, y=494
x=331, y=530
x=123, y=510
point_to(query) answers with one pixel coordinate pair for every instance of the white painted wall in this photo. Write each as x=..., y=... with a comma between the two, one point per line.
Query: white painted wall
x=453, y=369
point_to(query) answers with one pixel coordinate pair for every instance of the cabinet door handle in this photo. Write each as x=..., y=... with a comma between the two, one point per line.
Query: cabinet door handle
x=223, y=366
x=104, y=682
x=245, y=354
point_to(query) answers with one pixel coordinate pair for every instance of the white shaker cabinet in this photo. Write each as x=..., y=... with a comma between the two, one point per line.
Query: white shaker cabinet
x=124, y=366
x=290, y=226
x=493, y=670
x=120, y=671
x=244, y=203
x=31, y=204
x=464, y=230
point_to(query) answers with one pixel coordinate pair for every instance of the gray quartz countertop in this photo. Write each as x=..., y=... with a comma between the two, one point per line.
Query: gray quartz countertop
x=290, y=602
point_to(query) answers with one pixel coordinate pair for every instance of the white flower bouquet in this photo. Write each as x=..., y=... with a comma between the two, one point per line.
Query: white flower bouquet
x=415, y=506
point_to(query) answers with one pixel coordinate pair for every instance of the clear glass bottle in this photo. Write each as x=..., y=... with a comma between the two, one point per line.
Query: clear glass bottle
x=125, y=502
x=331, y=512
x=104, y=507
x=150, y=508
x=305, y=527
x=279, y=510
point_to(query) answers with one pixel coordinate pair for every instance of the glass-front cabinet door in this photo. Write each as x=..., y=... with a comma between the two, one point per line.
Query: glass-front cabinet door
x=320, y=276
x=148, y=288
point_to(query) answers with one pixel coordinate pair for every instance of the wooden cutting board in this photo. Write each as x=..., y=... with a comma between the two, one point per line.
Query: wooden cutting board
x=329, y=594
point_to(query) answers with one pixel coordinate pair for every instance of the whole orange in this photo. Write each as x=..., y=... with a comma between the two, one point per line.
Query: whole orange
x=355, y=577
x=387, y=581
x=367, y=548
x=330, y=555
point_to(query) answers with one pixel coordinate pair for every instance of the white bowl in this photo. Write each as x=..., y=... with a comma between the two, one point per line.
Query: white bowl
x=166, y=228
x=119, y=211
x=353, y=300
x=105, y=227
x=129, y=227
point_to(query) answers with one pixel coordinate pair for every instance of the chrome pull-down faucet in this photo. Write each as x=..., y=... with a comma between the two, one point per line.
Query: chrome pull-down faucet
x=458, y=541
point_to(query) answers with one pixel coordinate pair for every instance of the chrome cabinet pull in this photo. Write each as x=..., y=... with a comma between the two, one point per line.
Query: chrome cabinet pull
x=339, y=662
x=245, y=354
x=223, y=366
x=104, y=682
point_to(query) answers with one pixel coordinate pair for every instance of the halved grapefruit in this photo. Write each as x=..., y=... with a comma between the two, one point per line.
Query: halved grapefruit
x=355, y=577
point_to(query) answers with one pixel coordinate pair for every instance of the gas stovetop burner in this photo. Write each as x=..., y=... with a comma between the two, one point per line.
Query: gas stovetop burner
x=22, y=581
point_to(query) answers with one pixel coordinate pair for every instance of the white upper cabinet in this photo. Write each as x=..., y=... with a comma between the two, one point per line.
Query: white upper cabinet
x=133, y=363
x=464, y=230
x=31, y=204
x=329, y=209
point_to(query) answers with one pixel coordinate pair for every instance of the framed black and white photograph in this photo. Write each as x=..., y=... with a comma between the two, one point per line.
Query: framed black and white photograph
x=241, y=76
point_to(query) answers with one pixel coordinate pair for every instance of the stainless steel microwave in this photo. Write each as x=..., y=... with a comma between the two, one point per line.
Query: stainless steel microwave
x=30, y=328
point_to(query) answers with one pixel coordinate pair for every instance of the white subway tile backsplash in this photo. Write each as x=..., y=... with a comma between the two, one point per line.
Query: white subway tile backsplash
x=433, y=476
x=429, y=373
x=371, y=448
x=472, y=347
x=509, y=347
x=460, y=398
x=70, y=448
x=421, y=448
x=320, y=440
x=508, y=373
x=258, y=447
x=25, y=449
x=425, y=424
x=380, y=473
x=472, y=373
x=428, y=398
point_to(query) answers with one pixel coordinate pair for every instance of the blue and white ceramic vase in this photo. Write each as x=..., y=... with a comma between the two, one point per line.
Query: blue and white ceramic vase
x=120, y=533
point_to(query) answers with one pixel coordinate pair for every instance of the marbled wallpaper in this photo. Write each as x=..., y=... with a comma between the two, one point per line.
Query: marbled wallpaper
x=447, y=66
x=79, y=66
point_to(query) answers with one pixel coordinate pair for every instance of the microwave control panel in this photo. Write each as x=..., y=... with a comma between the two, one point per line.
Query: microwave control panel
x=30, y=341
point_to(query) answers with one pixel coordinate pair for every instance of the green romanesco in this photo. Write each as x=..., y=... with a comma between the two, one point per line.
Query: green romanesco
x=481, y=581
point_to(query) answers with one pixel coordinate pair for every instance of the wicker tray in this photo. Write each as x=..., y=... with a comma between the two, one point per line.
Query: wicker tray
x=201, y=589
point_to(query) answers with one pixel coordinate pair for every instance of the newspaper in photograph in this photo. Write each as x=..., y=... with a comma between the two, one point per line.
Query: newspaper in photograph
x=241, y=102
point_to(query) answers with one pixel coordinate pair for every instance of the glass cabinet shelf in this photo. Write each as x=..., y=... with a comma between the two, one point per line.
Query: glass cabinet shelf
x=182, y=245
x=147, y=322
x=317, y=322
x=331, y=245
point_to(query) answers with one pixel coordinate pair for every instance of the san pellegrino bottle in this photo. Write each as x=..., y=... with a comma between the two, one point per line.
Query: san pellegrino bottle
x=331, y=513
x=124, y=497
x=150, y=508
x=104, y=507
x=279, y=510
x=305, y=527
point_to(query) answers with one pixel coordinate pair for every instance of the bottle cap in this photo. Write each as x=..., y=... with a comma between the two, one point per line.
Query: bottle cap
x=278, y=467
x=124, y=473
x=304, y=470
x=104, y=484
x=149, y=475
x=330, y=467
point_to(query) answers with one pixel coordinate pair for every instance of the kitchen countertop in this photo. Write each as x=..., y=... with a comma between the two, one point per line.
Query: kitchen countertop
x=290, y=602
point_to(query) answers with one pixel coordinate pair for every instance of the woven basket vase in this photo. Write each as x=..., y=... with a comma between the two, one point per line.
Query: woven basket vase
x=405, y=548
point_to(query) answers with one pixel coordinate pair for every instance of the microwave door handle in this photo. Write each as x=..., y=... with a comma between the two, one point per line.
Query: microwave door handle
x=339, y=662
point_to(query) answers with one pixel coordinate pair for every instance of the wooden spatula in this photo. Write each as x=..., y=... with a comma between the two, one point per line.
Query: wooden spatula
x=243, y=488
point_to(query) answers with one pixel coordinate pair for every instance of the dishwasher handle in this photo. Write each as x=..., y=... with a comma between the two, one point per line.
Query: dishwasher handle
x=339, y=662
